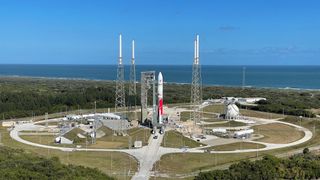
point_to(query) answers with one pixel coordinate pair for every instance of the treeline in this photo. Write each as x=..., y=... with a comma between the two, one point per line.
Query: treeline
x=16, y=164
x=22, y=97
x=302, y=166
x=286, y=106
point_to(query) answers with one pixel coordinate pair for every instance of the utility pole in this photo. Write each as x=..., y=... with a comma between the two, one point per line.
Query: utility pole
x=46, y=119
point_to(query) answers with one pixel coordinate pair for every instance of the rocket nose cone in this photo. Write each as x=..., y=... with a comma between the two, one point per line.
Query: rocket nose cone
x=160, y=76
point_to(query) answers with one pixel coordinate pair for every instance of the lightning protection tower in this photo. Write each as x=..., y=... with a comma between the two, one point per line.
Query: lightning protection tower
x=133, y=87
x=120, y=91
x=196, y=85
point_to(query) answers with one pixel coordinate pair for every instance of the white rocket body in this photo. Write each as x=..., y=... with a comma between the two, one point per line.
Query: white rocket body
x=160, y=98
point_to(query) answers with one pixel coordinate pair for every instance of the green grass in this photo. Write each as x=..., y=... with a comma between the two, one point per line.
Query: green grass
x=185, y=115
x=122, y=142
x=226, y=124
x=43, y=139
x=107, y=162
x=237, y=146
x=278, y=133
x=215, y=108
x=208, y=115
x=175, y=139
x=175, y=163
x=73, y=136
x=219, y=108
x=259, y=114
x=179, y=163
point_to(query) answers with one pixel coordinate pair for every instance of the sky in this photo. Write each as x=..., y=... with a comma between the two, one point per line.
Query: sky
x=232, y=32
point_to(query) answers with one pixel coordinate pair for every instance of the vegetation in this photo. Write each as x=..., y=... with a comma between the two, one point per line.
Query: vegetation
x=122, y=142
x=23, y=97
x=237, y=146
x=185, y=115
x=258, y=114
x=16, y=164
x=177, y=140
x=114, y=164
x=73, y=136
x=301, y=166
x=180, y=163
x=225, y=124
x=278, y=133
x=216, y=108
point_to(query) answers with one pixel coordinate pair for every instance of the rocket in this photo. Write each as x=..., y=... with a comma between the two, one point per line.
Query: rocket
x=160, y=97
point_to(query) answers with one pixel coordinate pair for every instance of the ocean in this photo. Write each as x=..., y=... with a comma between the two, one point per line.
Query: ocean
x=300, y=77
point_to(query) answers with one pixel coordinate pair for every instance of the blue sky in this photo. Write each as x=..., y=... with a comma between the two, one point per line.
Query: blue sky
x=232, y=32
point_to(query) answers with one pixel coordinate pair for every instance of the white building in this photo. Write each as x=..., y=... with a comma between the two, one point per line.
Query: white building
x=219, y=130
x=246, y=133
x=231, y=110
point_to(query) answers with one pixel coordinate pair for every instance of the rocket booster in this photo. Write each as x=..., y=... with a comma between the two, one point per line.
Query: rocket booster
x=160, y=97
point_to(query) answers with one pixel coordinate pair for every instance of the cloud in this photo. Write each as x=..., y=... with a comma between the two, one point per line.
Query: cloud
x=227, y=28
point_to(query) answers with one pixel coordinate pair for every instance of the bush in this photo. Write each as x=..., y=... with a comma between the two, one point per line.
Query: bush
x=16, y=164
x=301, y=166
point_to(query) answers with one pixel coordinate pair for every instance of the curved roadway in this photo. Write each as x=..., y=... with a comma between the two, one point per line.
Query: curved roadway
x=151, y=153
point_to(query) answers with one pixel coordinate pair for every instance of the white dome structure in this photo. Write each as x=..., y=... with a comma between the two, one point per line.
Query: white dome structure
x=231, y=110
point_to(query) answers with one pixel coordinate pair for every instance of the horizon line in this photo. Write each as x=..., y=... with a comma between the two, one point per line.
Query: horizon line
x=161, y=64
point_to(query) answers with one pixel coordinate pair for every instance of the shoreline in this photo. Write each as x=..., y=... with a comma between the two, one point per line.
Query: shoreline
x=171, y=83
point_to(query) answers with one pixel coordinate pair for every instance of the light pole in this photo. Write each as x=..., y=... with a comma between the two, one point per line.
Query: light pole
x=300, y=119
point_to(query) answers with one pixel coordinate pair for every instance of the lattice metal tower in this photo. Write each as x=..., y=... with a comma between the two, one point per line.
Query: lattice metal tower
x=196, y=85
x=120, y=91
x=147, y=82
x=132, y=85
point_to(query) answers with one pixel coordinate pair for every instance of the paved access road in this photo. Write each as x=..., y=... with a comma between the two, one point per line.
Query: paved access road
x=150, y=156
x=151, y=153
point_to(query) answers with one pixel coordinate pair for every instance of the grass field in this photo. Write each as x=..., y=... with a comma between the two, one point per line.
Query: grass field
x=226, y=124
x=111, y=141
x=73, y=136
x=260, y=114
x=185, y=115
x=111, y=163
x=175, y=163
x=216, y=108
x=237, y=146
x=219, y=108
x=278, y=133
x=179, y=163
x=175, y=139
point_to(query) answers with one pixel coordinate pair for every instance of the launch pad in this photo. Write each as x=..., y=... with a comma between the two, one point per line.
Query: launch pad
x=148, y=81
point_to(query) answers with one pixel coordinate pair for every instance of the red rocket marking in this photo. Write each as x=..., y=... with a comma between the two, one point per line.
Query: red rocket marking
x=161, y=106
